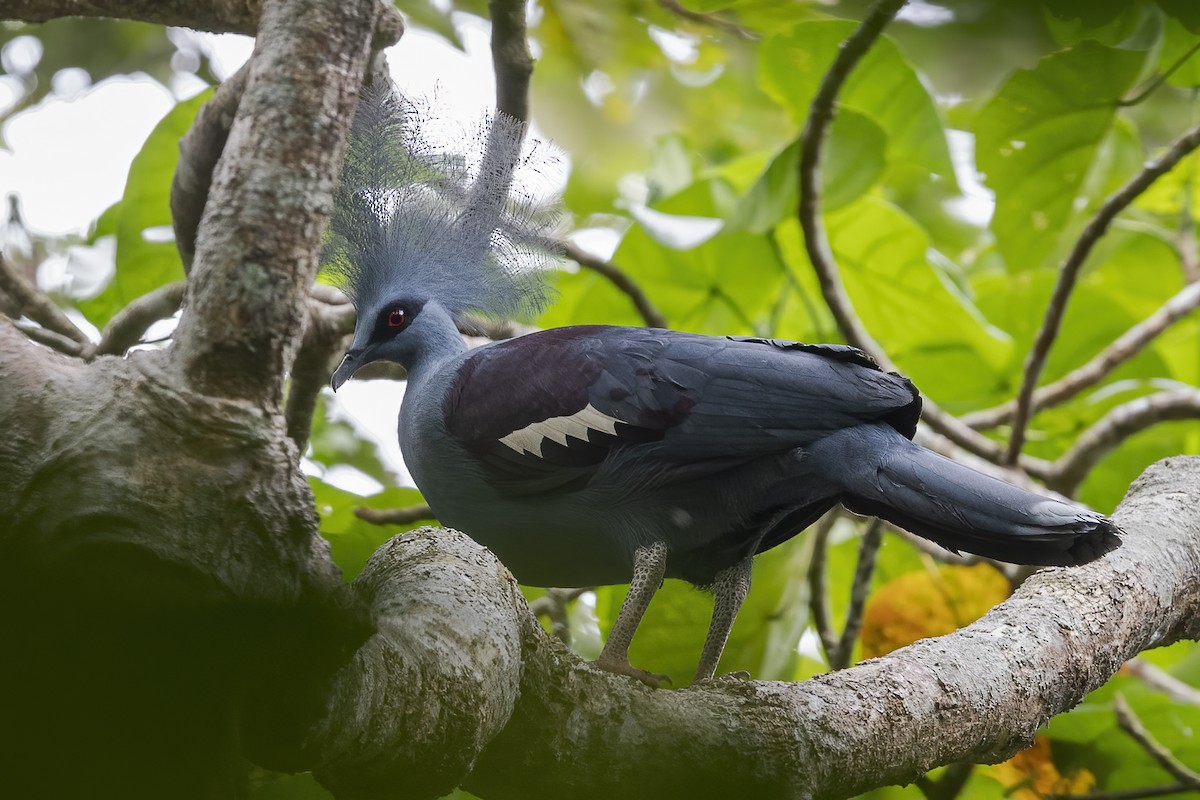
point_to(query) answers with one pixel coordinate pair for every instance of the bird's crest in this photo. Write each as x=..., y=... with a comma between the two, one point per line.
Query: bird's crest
x=462, y=222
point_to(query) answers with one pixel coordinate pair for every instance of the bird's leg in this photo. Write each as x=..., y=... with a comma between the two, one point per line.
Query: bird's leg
x=649, y=566
x=729, y=590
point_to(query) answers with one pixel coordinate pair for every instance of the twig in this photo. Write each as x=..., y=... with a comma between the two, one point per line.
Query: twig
x=554, y=606
x=395, y=516
x=711, y=20
x=816, y=241
x=55, y=341
x=1116, y=426
x=820, y=117
x=1130, y=723
x=1069, y=271
x=511, y=60
x=1160, y=79
x=648, y=311
x=1126, y=346
x=872, y=537
x=1124, y=794
x=129, y=324
x=949, y=785
x=37, y=306
x=1165, y=682
x=199, y=150
x=818, y=593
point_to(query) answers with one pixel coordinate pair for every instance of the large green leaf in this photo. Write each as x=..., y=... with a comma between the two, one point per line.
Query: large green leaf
x=725, y=285
x=1036, y=140
x=882, y=87
x=929, y=326
x=854, y=162
x=144, y=264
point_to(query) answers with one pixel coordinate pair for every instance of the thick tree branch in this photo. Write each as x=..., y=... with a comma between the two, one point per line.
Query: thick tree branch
x=1069, y=471
x=1069, y=271
x=258, y=237
x=977, y=695
x=220, y=16
x=1126, y=346
x=423, y=696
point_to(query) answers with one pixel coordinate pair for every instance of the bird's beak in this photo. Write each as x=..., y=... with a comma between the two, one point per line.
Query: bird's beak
x=351, y=362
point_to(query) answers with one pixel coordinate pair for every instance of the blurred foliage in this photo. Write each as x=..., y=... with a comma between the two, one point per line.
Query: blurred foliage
x=680, y=121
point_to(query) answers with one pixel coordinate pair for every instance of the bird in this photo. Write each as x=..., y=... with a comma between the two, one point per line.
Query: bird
x=592, y=455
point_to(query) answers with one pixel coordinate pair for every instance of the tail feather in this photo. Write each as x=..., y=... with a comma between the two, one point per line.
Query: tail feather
x=886, y=475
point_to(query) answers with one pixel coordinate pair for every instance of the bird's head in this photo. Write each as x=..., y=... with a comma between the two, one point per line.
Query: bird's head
x=423, y=232
x=384, y=333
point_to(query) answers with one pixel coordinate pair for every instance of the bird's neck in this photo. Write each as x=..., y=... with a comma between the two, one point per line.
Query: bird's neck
x=439, y=343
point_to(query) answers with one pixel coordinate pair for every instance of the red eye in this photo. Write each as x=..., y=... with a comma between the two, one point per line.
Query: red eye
x=397, y=318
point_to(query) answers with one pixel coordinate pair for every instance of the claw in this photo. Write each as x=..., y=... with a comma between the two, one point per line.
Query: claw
x=623, y=667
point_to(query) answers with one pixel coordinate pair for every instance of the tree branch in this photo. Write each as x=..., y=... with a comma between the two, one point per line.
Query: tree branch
x=34, y=304
x=1126, y=346
x=511, y=60
x=615, y=275
x=395, y=516
x=199, y=151
x=1165, y=682
x=219, y=16
x=322, y=346
x=860, y=587
x=128, y=325
x=1130, y=723
x=710, y=20
x=977, y=695
x=262, y=223
x=1069, y=471
x=816, y=128
x=553, y=606
x=818, y=585
x=816, y=242
x=1069, y=271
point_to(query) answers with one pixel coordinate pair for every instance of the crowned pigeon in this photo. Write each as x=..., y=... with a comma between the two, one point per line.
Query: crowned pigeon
x=593, y=455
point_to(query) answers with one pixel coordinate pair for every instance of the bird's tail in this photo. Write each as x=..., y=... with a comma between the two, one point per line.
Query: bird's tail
x=887, y=476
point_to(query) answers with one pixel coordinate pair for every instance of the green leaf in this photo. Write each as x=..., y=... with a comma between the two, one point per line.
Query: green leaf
x=1036, y=140
x=425, y=14
x=1178, y=43
x=931, y=328
x=144, y=265
x=854, y=163
x=883, y=87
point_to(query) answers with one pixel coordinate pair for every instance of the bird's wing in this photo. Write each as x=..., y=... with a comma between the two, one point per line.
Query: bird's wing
x=545, y=411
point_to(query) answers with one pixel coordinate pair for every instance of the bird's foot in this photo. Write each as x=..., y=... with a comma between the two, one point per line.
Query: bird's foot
x=622, y=667
x=735, y=677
